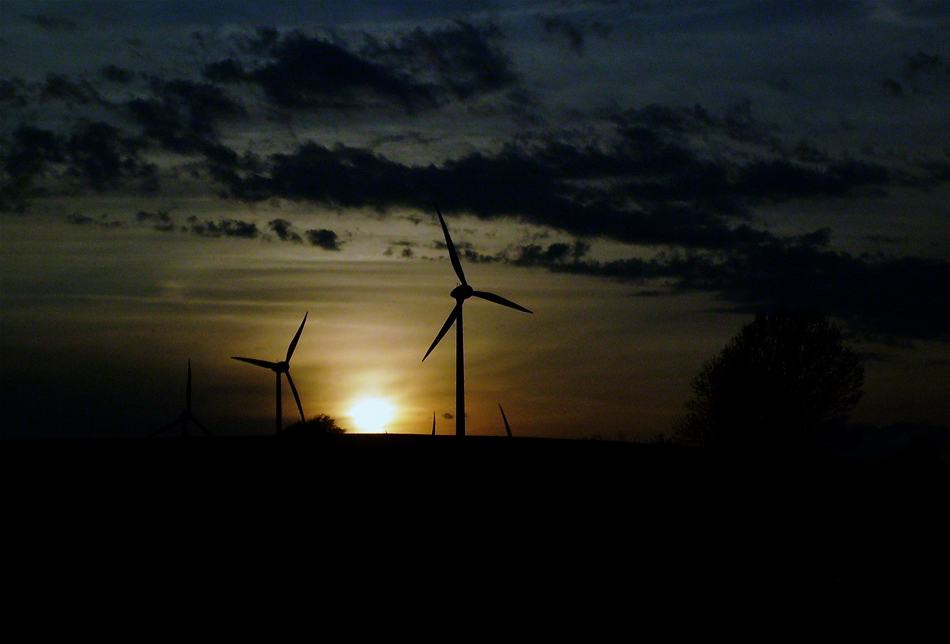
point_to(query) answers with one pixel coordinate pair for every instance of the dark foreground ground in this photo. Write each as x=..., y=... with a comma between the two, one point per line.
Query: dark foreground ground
x=485, y=521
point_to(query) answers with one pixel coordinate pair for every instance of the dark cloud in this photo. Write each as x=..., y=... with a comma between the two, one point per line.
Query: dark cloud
x=305, y=72
x=118, y=75
x=572, y=34
x=25, y=156
x=406, y=252
x=52, y=23
x=99, y=155
x=222, y=228
x=783, y=179
x=281, y=228
x=94, y=155
x=227, y=71
x=906, y=297
x=567, y=30
x=647, y=186
x=922, y=63
x=554, y=256
x=885, y=239
x=163, y=222
x=181, y=116
x=60, y=88
x=14, y=92
x=891, y=87
x=939, y=170
x=325, y=239
x=102, y=222
x=927, y=74
x=160, y=221
x=414, y=72
x=884, y=298
x=312, y=72
x=461, y=61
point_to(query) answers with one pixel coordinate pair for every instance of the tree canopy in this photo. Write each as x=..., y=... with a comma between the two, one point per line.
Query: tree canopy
x=782, y=383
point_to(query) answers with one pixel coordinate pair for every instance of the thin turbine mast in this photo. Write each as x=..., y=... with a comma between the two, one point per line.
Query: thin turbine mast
x=186, y=415
x=461, y=293
x=282, y=369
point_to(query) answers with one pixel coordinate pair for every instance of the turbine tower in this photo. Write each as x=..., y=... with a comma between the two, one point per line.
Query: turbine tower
x=186, y=415
x=461, y=293
x=282, y=368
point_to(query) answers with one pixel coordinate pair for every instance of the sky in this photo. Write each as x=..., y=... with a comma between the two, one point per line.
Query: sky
x=184, y=181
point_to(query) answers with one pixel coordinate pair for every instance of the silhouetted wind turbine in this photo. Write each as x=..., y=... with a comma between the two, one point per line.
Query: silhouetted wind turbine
x=461, y=293
x=433, y=423
x=282, y=368
x=505, y=418
x=186, y=415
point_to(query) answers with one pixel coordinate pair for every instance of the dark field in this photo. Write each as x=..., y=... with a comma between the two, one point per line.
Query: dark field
x=527, y=518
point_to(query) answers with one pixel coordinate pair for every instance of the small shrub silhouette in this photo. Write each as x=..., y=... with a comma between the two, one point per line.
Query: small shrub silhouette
x=321, y=425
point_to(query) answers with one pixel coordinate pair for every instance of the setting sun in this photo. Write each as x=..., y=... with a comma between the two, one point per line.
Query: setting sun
x=371, y=414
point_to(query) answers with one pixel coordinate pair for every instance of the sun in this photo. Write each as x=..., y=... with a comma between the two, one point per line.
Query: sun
x=371, y=415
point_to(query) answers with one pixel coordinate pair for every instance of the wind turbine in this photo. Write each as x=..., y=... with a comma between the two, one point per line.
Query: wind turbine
x=461, y=293
x=282, y=368
x=186, y=415
x=433, y=423
x=505, y=418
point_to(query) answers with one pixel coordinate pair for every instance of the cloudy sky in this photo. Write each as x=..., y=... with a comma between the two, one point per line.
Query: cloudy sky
x=184, y=181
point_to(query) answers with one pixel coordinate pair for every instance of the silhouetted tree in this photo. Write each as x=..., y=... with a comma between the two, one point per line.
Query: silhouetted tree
x=781, y=383
x=315, y=426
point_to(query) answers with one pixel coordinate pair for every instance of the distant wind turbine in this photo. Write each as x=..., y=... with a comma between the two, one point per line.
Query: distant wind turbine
x=461, y=293
x=186, y=415
x=282, y=368
x=505, y=418
x=433, y=423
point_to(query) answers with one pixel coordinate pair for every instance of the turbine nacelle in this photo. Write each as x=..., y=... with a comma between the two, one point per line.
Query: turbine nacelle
x=462, y=292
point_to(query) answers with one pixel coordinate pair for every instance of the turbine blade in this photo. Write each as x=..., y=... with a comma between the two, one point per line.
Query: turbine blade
x=445, y=328
x=433, y=423
x=296, y=397
x=201, y=426
x=293, y=344
x=453, y=255
x=505, y=418
x=259, y=363
x=497, y=299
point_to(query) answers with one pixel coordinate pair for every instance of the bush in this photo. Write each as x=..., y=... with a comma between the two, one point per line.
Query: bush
x=321, y=425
